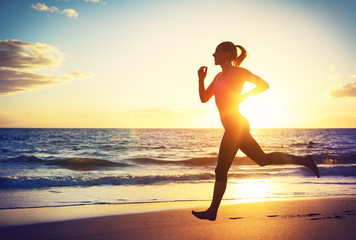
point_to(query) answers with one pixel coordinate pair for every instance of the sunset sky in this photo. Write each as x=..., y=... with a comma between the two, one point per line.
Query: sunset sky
x=118, y=64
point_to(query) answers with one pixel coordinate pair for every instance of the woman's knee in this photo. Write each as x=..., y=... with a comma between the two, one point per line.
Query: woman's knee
x=221, y=174
x=265, y=159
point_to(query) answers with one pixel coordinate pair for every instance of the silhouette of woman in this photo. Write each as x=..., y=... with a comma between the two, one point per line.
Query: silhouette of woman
x=226, y=87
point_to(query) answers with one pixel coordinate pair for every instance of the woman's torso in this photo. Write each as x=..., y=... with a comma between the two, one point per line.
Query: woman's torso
x=227, y=90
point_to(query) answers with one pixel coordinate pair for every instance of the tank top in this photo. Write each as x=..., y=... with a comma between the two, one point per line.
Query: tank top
x=223, y=87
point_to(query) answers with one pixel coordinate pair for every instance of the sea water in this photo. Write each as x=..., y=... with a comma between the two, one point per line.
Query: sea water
x=66, y=167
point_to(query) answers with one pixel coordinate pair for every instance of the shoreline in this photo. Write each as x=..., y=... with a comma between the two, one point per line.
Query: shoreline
x=38, y=215
x=319, y=218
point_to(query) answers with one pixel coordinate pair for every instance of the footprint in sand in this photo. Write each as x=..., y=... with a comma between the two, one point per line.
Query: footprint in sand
x=292, y=216
x=350, y=212
x=329, y=217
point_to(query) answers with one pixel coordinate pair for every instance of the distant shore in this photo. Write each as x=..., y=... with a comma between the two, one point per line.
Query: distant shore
x=316, y=218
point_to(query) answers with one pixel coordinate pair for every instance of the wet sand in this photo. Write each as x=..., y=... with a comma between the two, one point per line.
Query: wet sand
x=318, y=218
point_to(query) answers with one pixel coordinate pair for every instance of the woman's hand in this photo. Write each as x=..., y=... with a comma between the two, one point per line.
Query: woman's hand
x=202, y=73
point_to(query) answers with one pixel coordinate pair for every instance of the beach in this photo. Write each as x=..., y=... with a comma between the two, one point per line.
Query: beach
x=142, y=119
x=320, y=218
x=144, y=183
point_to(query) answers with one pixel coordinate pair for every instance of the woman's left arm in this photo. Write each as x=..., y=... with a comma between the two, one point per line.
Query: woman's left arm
x=261, y=85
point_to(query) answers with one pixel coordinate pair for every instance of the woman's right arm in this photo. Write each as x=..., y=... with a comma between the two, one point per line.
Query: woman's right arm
x=205, y=94
x=261, y=85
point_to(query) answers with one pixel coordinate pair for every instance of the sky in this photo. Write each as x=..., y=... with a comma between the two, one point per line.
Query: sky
x=133, y=64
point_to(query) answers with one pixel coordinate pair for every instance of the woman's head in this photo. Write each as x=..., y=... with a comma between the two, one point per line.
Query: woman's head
x=227, y=51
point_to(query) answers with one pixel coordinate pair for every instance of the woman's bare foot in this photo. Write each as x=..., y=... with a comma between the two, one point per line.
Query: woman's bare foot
x=311, y=165
x=208, y=215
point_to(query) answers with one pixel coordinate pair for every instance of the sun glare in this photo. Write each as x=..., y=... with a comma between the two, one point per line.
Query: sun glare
x=251, y=190
x=262, y=112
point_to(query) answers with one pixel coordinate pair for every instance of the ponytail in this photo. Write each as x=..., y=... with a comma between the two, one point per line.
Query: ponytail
x=238, y=60
x=231, y=48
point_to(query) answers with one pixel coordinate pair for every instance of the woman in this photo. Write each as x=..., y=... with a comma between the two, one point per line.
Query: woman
x=226, y=87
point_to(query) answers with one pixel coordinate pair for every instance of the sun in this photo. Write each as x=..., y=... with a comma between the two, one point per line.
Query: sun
x=262, y=111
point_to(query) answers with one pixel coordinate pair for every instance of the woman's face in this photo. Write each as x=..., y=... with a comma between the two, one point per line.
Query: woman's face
x=219, y=56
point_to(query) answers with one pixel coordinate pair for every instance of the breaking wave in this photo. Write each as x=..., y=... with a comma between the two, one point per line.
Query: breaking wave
x=26, y=182
x=77, y=164
x=90, y=164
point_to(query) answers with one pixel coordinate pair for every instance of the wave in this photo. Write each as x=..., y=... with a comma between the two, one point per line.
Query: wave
x=91, y=163
x=332, y=183
x=77, y=164
x=202, y=161
x=192, y=162
x=24, y=159
x=29, y=182
x=85, y=164
x=345, y=171
x=335, y=158
x=324, y=158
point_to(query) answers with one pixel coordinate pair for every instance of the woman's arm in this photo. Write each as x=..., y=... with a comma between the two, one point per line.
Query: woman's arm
x=205, y=94
x=261, y=85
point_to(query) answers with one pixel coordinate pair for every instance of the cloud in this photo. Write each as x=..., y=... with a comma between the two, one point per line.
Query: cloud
x=12, y=81
x=78, y=74
x=27, y=66
x=71, y=13
x=41, y=7
x=347, y=90
x=96, y=1
x=22, y=55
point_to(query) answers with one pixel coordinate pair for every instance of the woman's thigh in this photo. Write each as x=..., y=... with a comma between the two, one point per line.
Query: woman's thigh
x=229, y=146
x=252, y=149
x=236, y=128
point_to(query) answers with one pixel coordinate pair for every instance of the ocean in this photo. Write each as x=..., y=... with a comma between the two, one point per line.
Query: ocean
x=69, y=167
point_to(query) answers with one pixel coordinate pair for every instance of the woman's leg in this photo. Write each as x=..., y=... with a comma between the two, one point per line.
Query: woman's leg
x=253, y=150
x=228, y=148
